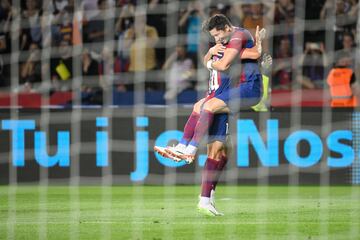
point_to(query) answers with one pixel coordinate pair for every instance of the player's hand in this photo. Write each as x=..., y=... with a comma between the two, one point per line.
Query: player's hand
x=217, y=50
x=259, y=36
x=266, y=61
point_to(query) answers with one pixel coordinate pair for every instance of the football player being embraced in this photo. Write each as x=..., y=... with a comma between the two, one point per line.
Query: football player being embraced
x=235, y=80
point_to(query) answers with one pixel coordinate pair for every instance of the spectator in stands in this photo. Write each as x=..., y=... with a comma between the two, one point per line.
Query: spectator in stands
x=191, y=21
x=180, y=72
x=6, y=13
x=32, y=18
x=4, y=73
x=141, y=40
x=4, y=43
x=90, y=8
x=91, y=91
x=255, y=18
x=90, y=67
x=284, y=12
x=254, y=14
x=61, y=70
x=123, y=23
x=30, y=71
x=63, y=25
x=235, y=13
x=47, y=18
x=347, y=46
x=282, y=70
x=107, y=67
x=4, y=67
x=126, y=18
x=5, y=21
x=346, y=8
x=345, y=16
x=344, y=90
x=94, y=31
x=313, y=9
x=158, y=20
x=59, y=6
x=5, y=9
x=313, y=62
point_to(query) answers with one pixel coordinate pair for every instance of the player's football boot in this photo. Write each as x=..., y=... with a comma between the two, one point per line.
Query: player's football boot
x=177, y=154
x=209, y=210
x=162, y=151
x=188, y=158
x=174, y=152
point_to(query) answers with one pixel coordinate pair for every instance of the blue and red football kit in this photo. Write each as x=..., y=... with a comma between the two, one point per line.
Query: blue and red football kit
x=242, y=82
x=240, y=86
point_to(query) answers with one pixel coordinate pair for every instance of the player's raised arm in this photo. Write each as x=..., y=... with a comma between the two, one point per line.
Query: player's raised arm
x=255, y=52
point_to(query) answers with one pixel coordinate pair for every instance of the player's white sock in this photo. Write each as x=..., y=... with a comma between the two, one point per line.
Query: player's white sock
x=191, y=150
x=204, y=201
x=180, y=147
x=212, y=197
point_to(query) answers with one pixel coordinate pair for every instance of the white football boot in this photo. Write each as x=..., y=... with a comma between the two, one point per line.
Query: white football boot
x=209, y=210
x=162, y=151
x=207, y=205
x=176, y=152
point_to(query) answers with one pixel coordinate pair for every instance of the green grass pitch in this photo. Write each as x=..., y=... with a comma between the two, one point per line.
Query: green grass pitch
x=158, y=212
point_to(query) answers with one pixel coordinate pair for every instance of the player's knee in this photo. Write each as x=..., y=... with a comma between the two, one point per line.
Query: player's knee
x=216, y=156
x=216, y=153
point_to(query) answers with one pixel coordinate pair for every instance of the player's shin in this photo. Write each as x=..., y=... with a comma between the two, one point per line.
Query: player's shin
x=221, y=165
x=202, y=127
x=189, y=128
x=209, y=176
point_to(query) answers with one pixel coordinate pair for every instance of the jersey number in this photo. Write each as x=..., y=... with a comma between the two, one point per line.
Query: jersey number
x=214, y=82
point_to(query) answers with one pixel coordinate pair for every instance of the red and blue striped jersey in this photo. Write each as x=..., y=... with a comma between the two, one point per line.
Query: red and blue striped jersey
x=240, y=70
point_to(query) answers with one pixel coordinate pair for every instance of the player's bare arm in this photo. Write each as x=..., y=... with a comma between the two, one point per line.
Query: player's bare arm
x=230, y=53
x=218, y=49
x=224, y=63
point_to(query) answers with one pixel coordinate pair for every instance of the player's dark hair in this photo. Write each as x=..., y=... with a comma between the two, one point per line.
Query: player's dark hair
x=218, y=22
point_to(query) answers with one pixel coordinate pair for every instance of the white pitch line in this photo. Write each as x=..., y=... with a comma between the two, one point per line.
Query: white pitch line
x=226, y=199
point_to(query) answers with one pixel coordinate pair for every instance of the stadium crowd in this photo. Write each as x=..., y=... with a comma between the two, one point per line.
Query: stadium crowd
x=112, y=45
